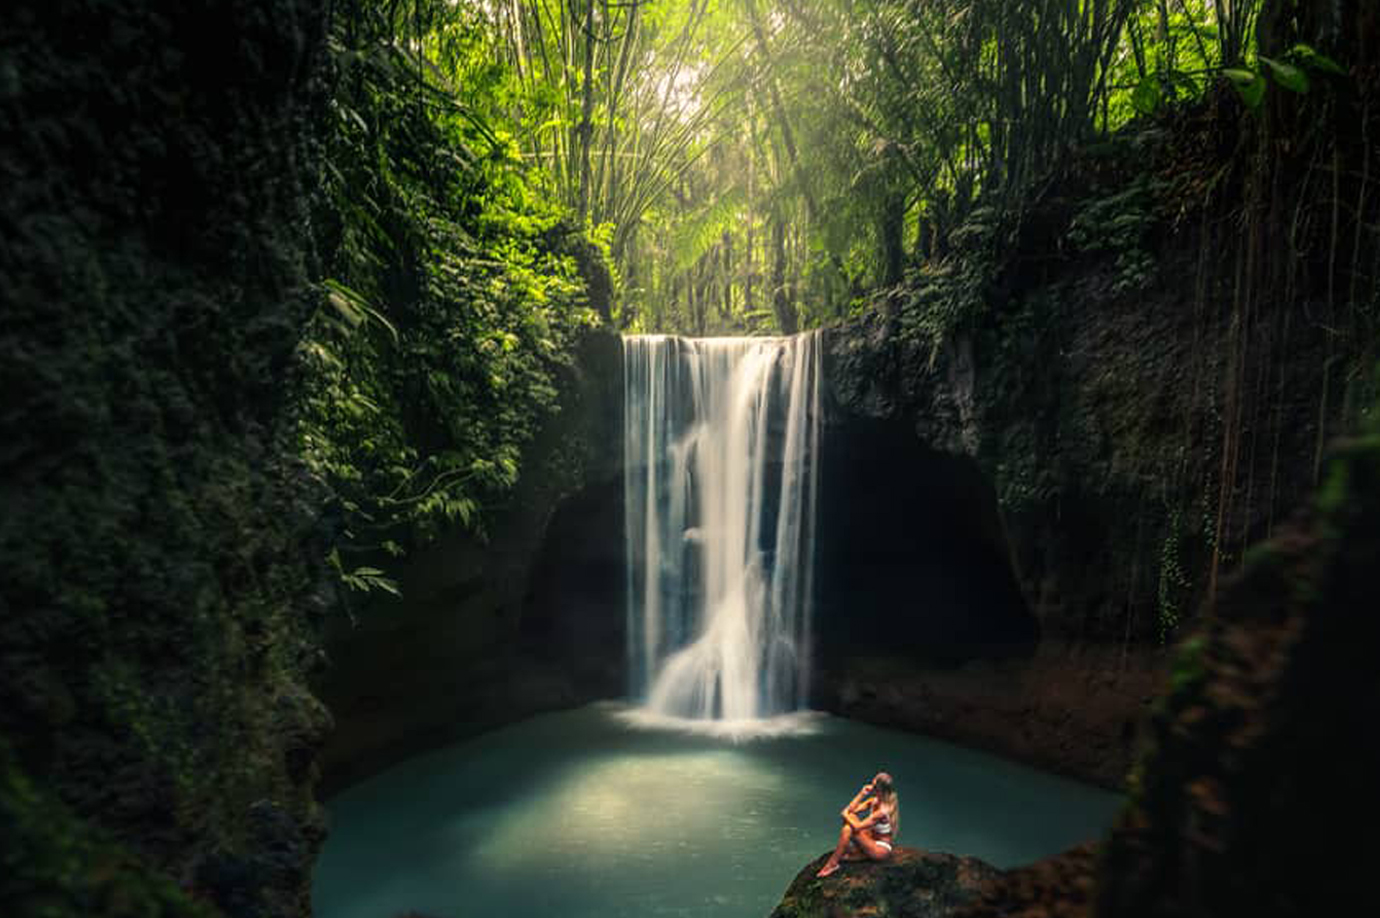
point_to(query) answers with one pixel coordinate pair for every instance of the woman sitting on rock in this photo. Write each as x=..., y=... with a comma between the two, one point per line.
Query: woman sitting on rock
x=869, y=836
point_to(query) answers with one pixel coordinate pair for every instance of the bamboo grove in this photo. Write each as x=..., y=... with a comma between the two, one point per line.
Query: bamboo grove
x=758, y=165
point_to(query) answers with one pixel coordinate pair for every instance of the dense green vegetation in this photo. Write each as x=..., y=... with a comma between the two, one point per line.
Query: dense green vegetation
x=160, y=541
x=762, y=166
x=452, y=286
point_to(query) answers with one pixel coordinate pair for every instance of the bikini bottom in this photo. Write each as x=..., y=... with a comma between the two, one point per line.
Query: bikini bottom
x=879, y=842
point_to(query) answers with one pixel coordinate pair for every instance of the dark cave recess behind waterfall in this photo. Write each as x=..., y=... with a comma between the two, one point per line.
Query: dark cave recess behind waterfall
x=913, y=560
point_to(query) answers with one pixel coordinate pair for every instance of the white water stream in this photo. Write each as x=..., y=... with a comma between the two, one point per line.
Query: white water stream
x=721, y=446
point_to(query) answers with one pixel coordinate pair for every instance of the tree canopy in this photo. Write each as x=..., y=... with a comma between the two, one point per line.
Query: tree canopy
x=759, y=165
x=498, y=176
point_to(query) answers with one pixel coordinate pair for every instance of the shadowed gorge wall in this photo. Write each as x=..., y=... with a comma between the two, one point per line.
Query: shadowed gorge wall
x=1262, y=736
x=1265, y=734
x=159, y=546
x=574, y=607
x=490, y=630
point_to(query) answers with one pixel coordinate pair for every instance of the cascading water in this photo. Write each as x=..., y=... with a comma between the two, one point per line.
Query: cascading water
x=721, y=446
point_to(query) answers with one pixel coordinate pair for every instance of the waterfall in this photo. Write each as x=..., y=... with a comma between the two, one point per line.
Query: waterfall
x=720, y=449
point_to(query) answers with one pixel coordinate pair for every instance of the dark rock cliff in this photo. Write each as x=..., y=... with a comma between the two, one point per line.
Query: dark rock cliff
x=1261, y=746
x=157, y=739
x=958, y=628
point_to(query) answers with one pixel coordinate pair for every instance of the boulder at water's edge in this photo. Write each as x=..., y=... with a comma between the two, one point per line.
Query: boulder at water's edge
x=913, y=884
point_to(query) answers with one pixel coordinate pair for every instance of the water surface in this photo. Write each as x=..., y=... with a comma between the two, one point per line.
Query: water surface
x=579, y=814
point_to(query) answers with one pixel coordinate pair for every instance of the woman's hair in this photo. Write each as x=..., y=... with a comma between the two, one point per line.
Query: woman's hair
x=886, y=791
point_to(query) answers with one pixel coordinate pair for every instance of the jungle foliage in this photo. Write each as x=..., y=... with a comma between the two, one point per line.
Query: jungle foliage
x=766, y=165
x=452, y=286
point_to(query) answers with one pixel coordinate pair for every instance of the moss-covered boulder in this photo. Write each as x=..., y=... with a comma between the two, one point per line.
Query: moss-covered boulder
x=1054, y=887
x=912, y=884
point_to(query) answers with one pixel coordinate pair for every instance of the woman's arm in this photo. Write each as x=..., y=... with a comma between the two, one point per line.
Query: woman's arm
x=857, y=802
x=859, y=824
x=850, y=812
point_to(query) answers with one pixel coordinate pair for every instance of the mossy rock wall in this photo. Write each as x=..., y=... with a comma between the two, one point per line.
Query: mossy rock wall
x=1263, y=749
x=159, y=545
x=1152, y=364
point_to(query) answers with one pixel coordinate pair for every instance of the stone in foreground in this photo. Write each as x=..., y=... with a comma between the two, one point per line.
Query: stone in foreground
x=912, y=884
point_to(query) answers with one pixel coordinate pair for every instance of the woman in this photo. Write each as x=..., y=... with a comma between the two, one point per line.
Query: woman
x=872, y=835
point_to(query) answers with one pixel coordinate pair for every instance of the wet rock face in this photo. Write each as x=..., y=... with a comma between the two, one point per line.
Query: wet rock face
x=912, y=549
x=872, y=372
x=1073, y=709
x=911, y=884
x=1090, y=415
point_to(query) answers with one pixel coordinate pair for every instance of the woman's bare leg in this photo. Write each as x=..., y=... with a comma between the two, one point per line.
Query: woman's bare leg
x=845, y=836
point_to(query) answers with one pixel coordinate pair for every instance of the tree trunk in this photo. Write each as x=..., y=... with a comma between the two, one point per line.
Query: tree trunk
x=780, y=298
x=586, y=131
x=778, y=109
x=891, y=226
x=727, y=307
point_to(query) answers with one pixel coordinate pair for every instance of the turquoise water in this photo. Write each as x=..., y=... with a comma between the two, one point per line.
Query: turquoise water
x=580, y=814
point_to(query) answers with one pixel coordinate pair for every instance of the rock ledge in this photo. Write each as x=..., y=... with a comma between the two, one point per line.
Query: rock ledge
x=913, y=884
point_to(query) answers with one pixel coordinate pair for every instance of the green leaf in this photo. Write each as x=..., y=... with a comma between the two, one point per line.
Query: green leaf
x=1181, y=82
x=700, y=231
x=364, y=403
x=1249, y=84
x=1147, y=94
x=1310, y=57
x=354, y=307
x=388, y=586
x=324, y=355
x=1287, y=75
x=346, y=309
